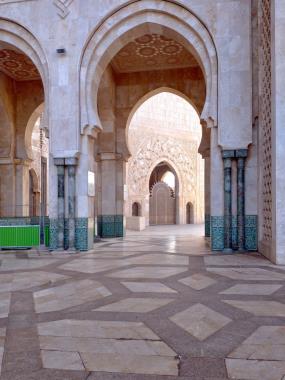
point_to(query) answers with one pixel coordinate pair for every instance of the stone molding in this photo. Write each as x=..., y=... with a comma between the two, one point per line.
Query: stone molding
x=62, y=7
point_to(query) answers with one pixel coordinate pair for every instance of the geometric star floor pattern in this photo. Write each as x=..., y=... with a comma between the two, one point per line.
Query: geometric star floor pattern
x=156, y=306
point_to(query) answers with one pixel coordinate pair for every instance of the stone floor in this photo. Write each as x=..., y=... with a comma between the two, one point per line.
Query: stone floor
x=157, y=305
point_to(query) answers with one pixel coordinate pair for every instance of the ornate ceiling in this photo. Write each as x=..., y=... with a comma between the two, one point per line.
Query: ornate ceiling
x=17, y=66
x=152, y=52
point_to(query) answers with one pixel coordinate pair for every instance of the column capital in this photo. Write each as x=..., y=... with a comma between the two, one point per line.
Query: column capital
x=228, y=153
x=58, y=161
x=71, y=161
x=241, y=153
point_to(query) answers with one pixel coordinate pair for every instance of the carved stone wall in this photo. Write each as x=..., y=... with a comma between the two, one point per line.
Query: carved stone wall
x=266, y=117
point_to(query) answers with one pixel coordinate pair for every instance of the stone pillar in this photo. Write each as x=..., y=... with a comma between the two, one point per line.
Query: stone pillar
x=111, y=221
x=241, y=156
x=22, y=188
x=59, y=162
x=71, y=167
x=227, y=158
x=207, y=195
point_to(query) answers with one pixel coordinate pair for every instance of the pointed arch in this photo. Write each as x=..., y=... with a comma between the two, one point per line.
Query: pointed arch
x=131, y=21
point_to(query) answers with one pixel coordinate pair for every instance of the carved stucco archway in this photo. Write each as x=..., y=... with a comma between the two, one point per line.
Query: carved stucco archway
x=162, y=149
x=38, y=112
x=128, y=23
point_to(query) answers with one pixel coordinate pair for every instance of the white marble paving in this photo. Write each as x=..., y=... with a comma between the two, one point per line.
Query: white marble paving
x=135, y=305
x=147, y=287
x=197, y=281
x=68, y=295
x=200, y=321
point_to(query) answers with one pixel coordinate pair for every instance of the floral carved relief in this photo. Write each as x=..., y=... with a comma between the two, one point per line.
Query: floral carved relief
x=150, y=152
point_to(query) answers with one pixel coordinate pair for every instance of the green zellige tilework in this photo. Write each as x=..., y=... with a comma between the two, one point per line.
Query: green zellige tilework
x=217, y=232
x=81, y=234
x=111, y=226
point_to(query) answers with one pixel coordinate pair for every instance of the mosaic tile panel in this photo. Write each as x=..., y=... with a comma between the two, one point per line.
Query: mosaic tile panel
x=53, y=234
x=81, y=234
x=217, y=233
x=111, y=226
x=251, y=232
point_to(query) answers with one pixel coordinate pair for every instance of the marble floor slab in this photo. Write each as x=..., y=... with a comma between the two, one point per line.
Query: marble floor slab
x=260, y=308
x=97, y=329
x=255, y=370
x=147, y=287
x=24, y=264
x=69, y=295
x=91, y=265
x=266, y=343
x=248, y=274
x=148, y=272
x=24, y=280
x=236, y=260
x=135, y=305
x=252, y=289
x=110, y=346
x=200, y=321
x=197, y=281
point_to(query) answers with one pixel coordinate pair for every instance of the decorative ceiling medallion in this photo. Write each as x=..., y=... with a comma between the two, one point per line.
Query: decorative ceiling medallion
x=17, y=66
x=152, y=52
x=63, y=7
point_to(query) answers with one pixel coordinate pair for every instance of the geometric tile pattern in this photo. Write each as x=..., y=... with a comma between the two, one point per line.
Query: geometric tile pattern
x=128, y=310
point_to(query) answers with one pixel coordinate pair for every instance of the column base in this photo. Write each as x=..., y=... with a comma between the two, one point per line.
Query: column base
x=217, y=233
x=228, y=250
x=111, y=226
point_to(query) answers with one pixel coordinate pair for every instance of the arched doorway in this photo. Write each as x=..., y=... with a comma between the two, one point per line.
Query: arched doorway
x=189, y=213
x=136, y=209
x=162, y=199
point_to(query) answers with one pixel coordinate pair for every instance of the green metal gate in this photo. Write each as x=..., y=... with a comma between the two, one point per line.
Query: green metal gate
x=19, y=236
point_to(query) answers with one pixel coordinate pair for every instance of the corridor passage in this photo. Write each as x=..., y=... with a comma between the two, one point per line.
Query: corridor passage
x=156, y=305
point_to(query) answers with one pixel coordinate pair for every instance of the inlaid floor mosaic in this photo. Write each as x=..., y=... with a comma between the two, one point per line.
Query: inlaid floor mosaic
x=151, y=306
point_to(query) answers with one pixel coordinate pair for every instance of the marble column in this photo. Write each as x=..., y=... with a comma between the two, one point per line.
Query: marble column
x=228, y=155
x=71, y=168
x=207, y=195
x=59, y=162
x=241, y=156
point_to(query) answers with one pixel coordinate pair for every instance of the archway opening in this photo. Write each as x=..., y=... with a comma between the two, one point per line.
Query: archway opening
x=165, y=170
x=155, y=80
x=23, y=145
